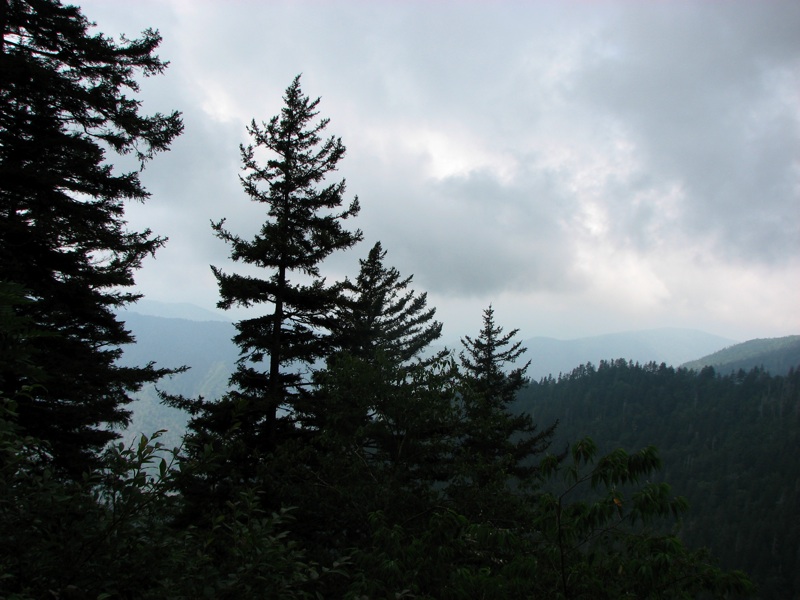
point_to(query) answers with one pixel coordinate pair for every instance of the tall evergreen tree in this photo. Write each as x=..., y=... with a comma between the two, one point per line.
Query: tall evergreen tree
x=381, y=415
x=496, y=445
x=304, y=226
x=382, y=330
x=64, y=104
x=381, y=397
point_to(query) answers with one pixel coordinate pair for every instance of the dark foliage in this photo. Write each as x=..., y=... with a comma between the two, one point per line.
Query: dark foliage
x=496, y=445
x=63, y=105
x=380, y=314
x=728, y=445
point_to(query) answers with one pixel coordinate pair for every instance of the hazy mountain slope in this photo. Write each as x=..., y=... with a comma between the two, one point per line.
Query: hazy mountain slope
x=204, y=346
x=176, y=310
x=776, y=355
x=549, y=356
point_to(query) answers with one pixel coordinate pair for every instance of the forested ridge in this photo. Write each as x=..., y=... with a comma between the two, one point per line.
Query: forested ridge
x=345, y=459
x=728, y=444
x=775, y=355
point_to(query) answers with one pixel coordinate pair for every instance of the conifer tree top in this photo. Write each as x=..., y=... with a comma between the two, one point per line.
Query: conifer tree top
x=484, y=358
x=304, y=225
x=383, y=314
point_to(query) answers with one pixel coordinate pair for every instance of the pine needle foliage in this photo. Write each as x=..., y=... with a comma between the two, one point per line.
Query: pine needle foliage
x=65, y=105
x=304, y=225
x=382, y=314
x=497, y=446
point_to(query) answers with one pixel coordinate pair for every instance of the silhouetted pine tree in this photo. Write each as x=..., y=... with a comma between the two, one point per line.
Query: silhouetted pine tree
x=304, y=226
x=64, y=103
x=380, y=396
x=381, y=415
x=496, y=445
x=381, y=314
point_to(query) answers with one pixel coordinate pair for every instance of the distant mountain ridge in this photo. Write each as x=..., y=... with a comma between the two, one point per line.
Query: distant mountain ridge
x=175, y=310
x=205, y=345
x=201, y=338
x=550, y=356
x=775, y=355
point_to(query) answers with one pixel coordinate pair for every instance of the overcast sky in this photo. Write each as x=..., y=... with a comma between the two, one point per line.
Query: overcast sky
x=587, y=167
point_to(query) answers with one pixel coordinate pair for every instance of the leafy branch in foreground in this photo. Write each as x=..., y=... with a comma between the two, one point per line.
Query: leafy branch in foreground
x=605, y=543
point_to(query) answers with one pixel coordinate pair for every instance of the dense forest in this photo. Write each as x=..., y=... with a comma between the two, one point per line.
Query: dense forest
x=345, y=459
x=728, y=445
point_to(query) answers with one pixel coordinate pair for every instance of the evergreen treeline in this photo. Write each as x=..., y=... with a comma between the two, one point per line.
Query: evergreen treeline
x=774, y=355
x=345, y=460
x=728, y=443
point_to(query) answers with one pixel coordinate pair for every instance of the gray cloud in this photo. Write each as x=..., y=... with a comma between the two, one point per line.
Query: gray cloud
x=708, y=95
x=620, y=159
x=508, y=236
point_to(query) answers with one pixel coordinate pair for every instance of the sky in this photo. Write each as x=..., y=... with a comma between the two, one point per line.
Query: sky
x=583, y=167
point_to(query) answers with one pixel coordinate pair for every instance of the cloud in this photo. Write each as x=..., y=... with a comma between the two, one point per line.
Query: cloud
x=708, y=96
x=583, y=165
